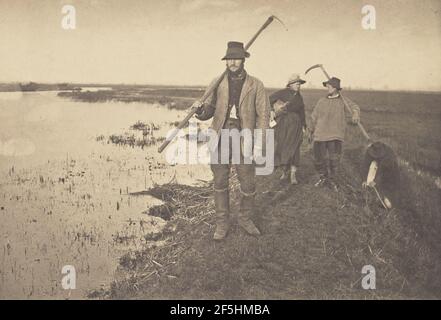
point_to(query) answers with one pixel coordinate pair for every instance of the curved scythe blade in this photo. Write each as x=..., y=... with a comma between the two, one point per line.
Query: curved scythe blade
x=313, y=67
x=281, y=22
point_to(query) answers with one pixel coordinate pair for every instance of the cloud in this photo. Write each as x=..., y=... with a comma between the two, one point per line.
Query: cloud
x=195, y=5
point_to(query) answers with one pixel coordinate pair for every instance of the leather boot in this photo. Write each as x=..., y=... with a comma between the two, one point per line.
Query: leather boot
x=222, y=206
x=244, y=217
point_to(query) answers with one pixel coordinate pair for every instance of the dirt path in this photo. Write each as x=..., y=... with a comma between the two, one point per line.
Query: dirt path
x=314, y=244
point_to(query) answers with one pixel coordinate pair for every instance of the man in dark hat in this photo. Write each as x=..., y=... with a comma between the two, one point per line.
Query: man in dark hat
x=328, y=125
x=240, y=102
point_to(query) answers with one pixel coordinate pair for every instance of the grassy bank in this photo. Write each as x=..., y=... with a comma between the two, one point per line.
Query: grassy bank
x=314, y=245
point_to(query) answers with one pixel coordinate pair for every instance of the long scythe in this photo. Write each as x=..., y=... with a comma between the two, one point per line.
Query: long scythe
x=211, y=89
x=363, y=131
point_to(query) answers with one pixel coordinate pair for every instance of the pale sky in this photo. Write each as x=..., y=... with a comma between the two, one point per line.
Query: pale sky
x=181, y=42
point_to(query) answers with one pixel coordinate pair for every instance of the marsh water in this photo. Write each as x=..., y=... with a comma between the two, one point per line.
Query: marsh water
x=68, y=198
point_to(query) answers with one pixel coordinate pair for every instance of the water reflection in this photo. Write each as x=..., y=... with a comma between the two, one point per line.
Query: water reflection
x=64, y=196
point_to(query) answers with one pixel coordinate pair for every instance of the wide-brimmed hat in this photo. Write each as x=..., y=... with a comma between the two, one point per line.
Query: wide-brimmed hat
x=377, y=150
x=295, y=78
x=335, y=82
x=235, y=50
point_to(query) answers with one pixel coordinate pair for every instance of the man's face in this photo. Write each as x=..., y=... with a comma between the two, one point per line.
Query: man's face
x=234, y=64
x=331, y=89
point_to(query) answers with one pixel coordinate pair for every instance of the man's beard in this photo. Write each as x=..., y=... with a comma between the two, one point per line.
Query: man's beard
x=237, y=72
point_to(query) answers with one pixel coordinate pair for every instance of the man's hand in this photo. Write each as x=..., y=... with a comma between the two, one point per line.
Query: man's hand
x=196, y=105
x=199, y=106
x=355, y=118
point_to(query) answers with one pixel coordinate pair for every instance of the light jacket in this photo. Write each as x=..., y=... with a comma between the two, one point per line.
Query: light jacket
x=328, y=119
x=254, y=106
